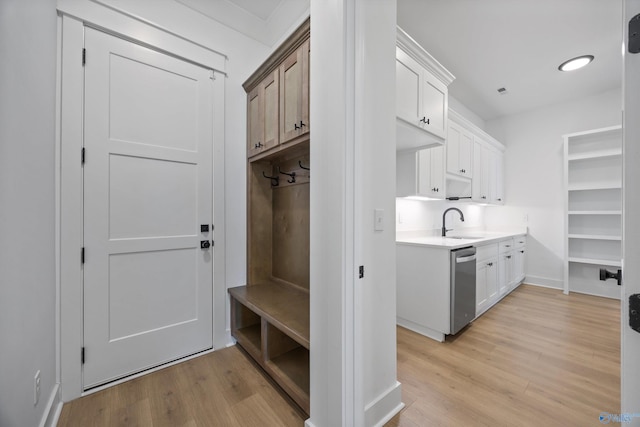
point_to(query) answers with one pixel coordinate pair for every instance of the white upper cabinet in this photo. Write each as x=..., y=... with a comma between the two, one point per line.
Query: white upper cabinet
x=421, y=96
x=459, y=151
x=421, y=173
x=487, y=183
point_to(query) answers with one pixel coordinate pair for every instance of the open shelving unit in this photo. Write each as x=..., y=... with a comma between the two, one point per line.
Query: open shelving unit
x=593, y=209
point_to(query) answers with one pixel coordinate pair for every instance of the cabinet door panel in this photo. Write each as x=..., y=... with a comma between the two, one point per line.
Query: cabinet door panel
x=424, y=173
x=437, y=172
x=291, y=79
x=255, y=119
x=465, y=154
x=492, y=279
x=453, y=150
x=408, y=75
x=433, y=106
x=270, y=95
x=481, y=287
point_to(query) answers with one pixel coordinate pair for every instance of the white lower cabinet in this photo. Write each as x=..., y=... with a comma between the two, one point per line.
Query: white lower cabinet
x=486, y=277
x=499, y=270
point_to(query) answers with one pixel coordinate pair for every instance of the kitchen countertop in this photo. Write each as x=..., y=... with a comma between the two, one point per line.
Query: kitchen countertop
x=454, y=240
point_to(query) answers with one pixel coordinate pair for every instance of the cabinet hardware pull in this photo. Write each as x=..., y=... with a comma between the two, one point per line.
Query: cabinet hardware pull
x=483, y=197
x=258, y=145
x=490, y=264
x=301, y=124
x=507, y=246
x=521, y=252
x=424, y=120
x=303, y=167
x=295, y=126
x=291, y=174
x=508, y=256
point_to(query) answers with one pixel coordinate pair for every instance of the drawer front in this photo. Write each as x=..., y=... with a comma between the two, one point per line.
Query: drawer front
x=506, y=245
x=520, y=241
x=486, y=251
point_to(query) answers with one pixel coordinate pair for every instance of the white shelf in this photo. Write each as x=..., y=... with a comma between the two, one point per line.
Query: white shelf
x=594, y=237
x=605, y=262
x=601, y=154
x=595, y=186
x=595, y=212
x=593, y=215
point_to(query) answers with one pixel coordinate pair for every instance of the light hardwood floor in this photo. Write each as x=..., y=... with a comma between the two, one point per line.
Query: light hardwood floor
x=537, y=358
x=223, y=388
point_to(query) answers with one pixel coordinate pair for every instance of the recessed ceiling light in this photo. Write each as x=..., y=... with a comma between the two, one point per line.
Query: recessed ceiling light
x=575, y=63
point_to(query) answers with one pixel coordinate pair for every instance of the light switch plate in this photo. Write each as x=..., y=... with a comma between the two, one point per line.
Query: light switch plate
x=378, y=219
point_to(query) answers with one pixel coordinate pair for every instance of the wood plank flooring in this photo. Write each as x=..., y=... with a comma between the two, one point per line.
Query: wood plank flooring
x=537, y=358
x=223, y=388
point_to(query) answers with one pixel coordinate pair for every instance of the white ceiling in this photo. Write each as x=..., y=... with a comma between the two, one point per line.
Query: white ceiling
x=518, y=44
x=486, y=44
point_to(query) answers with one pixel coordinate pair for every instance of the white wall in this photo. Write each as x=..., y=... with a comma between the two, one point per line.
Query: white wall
x=426, y=215
x=534, y=175
x=462, y=109
x=27, y=206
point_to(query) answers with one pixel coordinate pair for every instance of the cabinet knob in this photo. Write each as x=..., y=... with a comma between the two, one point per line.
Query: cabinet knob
x=499, y=199
x=508, y=257
x=490, y=264
x=521, y=252
x=483, y=197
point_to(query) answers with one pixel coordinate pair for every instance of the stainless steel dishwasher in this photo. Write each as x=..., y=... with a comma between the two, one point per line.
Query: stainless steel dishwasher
x=463, y=288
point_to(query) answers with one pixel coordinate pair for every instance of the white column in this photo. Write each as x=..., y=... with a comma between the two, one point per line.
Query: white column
x=353, y=341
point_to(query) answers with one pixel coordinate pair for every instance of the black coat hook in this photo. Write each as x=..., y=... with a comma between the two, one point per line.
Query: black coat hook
x=291, y=174
x=275, y=180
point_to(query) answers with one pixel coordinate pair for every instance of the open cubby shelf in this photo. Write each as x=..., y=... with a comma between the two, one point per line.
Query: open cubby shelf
x=593, y=217
x=277, y=334
x=283, y=306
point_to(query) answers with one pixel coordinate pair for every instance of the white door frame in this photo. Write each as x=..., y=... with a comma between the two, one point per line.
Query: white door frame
x=74, y=16
x=630, y=340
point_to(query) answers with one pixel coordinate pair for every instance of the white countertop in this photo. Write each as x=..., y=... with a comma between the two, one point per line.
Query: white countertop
x=471, y=238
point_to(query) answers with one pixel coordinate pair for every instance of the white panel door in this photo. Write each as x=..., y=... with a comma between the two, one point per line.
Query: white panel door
x=147, y=188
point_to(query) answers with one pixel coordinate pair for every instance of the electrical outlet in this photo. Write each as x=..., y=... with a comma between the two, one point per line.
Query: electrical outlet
x=36, y=388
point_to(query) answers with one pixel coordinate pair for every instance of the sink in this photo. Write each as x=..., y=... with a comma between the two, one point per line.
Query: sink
x=465, y=237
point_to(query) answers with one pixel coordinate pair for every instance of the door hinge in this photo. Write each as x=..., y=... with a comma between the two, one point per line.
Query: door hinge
x=84, y=56
x=361, y=272
x=82, y=155
x=82, y=353
x=82, y=256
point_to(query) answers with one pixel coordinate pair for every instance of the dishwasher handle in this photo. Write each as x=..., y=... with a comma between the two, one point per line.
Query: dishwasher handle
x=465, y=259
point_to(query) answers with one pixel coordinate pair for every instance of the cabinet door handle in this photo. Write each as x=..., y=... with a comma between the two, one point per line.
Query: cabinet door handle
x=521, y=252
x=258, y=145
x=295, y=126
x=508, y=256
x=483, y=197
x=424, y=120
x=507, y=246
x=301, y=124
x=490, y=264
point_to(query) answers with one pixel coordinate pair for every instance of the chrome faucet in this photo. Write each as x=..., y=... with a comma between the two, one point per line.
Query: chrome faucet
x=444, y=215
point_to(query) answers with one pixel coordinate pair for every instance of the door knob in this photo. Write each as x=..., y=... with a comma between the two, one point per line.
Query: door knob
x=204, y=244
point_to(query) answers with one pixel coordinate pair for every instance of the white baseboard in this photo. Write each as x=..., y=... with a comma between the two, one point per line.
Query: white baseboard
x=422, y=330
x=544, y=282
x=384, y=407
x=308, y=423
x=53, y=409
